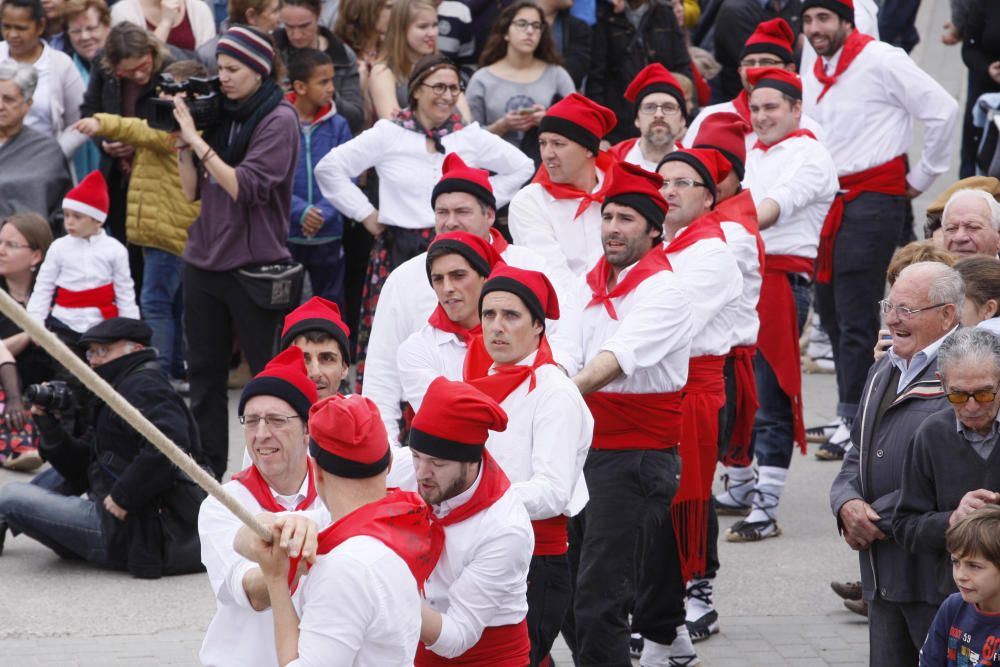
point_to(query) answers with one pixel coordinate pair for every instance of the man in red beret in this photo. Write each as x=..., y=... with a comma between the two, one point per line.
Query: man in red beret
x=360, y=602
x=636, y=333
x=317, y=329
x=548, y=433
x=274, y=410
x=660, y=115
x=559, y=214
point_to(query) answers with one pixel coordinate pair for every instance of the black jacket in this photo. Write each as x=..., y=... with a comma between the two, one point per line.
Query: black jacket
x=575, y=46
x=620, y=51
x=113, y=458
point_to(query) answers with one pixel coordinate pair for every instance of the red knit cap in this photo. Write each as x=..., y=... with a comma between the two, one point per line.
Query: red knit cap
x=532, y=287
x=774, y=37
x=90, y=197
x=347, y=437
x=454, y=421
x=655, y=78
x=725, y=132
x=317, y=314
x=284, y=377
x=710, y=164
x=780, y=79
x=637, y=188
x=456, y=176
x=842, y=8
x=579, y=119
x=479, y=252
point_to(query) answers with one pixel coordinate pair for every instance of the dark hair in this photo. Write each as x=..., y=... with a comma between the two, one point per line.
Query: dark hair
x=976, y=535
x=439, y=251
x=423, y=69
x=33, y=6
x=981, y=276
x=356, y=22
x=36, y=231
x=496, y=44
x=237, y=9
x=302, y=62
x=182, y=70
x=311, y=5
x=127, y=40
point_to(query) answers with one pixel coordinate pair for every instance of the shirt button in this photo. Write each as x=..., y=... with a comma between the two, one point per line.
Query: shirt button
x=884, y=592
x=879, y=453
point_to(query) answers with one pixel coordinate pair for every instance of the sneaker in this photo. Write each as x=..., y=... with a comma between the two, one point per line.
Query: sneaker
x=859, y=607
x=835, y=448
x=823, y=433
x=753, y=531
x=704, y=627
x=24, y=459
x=635, y=645
x=848, y=590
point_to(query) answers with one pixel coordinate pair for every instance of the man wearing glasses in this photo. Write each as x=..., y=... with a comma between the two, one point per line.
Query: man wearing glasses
x=660, y=115
x=901, y=391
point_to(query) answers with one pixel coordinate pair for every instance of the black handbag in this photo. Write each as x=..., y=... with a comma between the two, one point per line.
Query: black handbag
x=275, y=286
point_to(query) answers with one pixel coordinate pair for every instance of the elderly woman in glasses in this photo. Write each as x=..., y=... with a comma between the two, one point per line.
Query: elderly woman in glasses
x=407, y=153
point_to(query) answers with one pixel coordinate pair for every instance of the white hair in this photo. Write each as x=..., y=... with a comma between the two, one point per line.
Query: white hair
x=23, y=75
x=991, y=204
x=946, y=285
x=969, y=344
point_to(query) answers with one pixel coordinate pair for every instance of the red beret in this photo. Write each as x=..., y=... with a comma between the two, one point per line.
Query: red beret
x=454, y=421
x=533, y=288
x=347, y=437
x=479, y=252
x=637, y=188
x=710, y=164
x=317, y=314
x=774, y=37
x=284, y=377
x=579, y=119
x=655, y=78
x=725, y=132
x=780, y=79
x=456, y=176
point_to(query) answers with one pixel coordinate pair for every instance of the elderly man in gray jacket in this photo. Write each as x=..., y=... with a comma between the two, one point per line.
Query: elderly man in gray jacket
x=902, y=389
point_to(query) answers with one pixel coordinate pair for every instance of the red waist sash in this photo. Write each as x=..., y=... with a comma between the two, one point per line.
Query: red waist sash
x=499, y=646
x=550, y=536
x=102, y=298
x=738, y=452
x=886, y=179
x=635, y=421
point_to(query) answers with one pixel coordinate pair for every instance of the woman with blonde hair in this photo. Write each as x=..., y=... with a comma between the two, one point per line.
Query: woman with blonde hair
x=362, y=25
x=411, y=34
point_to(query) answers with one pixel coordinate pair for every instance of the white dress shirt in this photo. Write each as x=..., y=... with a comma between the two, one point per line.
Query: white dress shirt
x=425, y=355
x=807, y=122
x=800, y=176
x=707, y=270
x=408, y=173
x=865, y=21
x=911, y=370
x=868, y=114
x=80, y=264
x=651, y=339
x=238, y=635
x=635, y=156
x=359, y=605
x=743, y=246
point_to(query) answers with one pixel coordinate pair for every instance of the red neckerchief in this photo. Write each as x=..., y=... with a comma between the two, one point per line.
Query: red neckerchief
x=853, y=45
x=499, y=242
x=493, y=483
x=801, y=132
x=505, y=379
x=440, y=321
x=401, y=521
x=740, y=209
x=742, y=105
x=652, y=262
x=259, y=489
x=604, y=162
x=705, y=227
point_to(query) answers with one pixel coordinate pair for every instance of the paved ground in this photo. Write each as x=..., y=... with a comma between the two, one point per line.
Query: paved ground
x=774, y=597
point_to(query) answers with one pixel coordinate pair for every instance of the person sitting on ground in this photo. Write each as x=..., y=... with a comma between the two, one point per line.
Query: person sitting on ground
x=971, y=223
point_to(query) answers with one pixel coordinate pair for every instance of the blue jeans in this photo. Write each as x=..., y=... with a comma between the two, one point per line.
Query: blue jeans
x=162, y=307
x=325, y=264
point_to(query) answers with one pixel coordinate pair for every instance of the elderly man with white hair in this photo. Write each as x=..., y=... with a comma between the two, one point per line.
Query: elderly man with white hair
x=902, y=389
x=971, y=223
x=41, y=188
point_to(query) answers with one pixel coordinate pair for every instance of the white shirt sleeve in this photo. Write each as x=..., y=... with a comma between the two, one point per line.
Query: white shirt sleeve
x=217, y=527
x=418, y=366
x=512, y=168
x=712, y=282
x=45, y=283
x=121, y=277
x=381, y=381
x=811, y=181
x=529, y=226
x=335, y=171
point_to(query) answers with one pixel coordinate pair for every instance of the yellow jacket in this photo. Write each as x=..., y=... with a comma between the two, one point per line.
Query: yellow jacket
x=692, y=13
x=158, y=212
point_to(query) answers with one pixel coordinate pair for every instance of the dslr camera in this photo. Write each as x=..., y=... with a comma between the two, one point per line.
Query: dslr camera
x=54, y=395
x=203, y=99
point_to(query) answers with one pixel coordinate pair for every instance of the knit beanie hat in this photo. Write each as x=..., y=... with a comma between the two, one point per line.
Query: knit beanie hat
x=708, y=162
x=579, y=119
x=780, y=79
x=532, y=287
x=774, y=37
x=317, y=314
x=249, y=46
x=726, y=132
x=842, y=8
x=637, y=188
x=90, y=197
x=456, y=176
x=284, y=377
x=655, y=78
x=479, y=252
x=454, y=421
x=347, y=437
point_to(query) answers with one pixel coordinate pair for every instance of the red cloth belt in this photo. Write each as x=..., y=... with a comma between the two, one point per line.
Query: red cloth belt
x=635, y=421
x=499, y=646
x=886, y=179
x=550, y=536
x=102, y=298
x=778, y=340
x=704, y=397
x=738, y=453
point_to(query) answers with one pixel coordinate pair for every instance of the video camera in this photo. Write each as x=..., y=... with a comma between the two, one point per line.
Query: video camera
x=203, y=99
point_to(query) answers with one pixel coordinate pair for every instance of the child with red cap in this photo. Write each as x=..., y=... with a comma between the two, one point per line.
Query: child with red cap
x=86, y=271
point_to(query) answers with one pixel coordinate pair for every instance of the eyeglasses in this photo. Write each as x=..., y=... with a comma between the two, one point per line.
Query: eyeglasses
x=760, y=62
x=523, y=25
x=97, y=352
x=250, y=422
x=10, y=245
x=981, y=396
x=682, y=183
x=904, y=312
x=132, y=71
x=442, y=88
x=668, y=109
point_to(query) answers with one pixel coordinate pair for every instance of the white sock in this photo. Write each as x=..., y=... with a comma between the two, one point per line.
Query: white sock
x=740, y=484
x=770, y=484
x=696, y=605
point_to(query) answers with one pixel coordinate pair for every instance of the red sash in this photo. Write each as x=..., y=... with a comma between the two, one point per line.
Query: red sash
x=259, y=488
x=635, y=421
x=778, y=339
x=499, y=242
x=738, y=452
x=620, y=150
x=705, y=227
x=551, y=538
x=740, y=209
x=604, y=162
x=886, y=179
x=499, y=646
x=102, y=298
x=704, y=395
x=440, y=321
x=853, y=45
x=493, y=483
x=801, y=132
x=742, y=105
x=506, y=379
x=651, y=263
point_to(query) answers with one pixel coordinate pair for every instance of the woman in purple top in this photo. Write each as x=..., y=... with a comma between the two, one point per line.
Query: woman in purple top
x=242, y=170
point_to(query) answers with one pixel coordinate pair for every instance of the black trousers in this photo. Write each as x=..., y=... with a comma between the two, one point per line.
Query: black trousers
x=848, y=304
x=896, y=631
x=549, y=597
x=623, y=555
x=216, y=307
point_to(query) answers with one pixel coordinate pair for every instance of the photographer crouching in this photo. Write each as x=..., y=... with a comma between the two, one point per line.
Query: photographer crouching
x=120, y=503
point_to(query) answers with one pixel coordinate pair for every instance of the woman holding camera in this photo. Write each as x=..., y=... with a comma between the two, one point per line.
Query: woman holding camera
x=242, y=171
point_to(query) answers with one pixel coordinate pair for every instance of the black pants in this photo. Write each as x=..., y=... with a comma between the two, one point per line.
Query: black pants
x=848, y=304
x=896, y=631
x=216, y=306
x=623, y=555
x=548, y=599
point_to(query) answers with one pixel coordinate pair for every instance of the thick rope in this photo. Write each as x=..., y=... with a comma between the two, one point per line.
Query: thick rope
x=61, y=353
